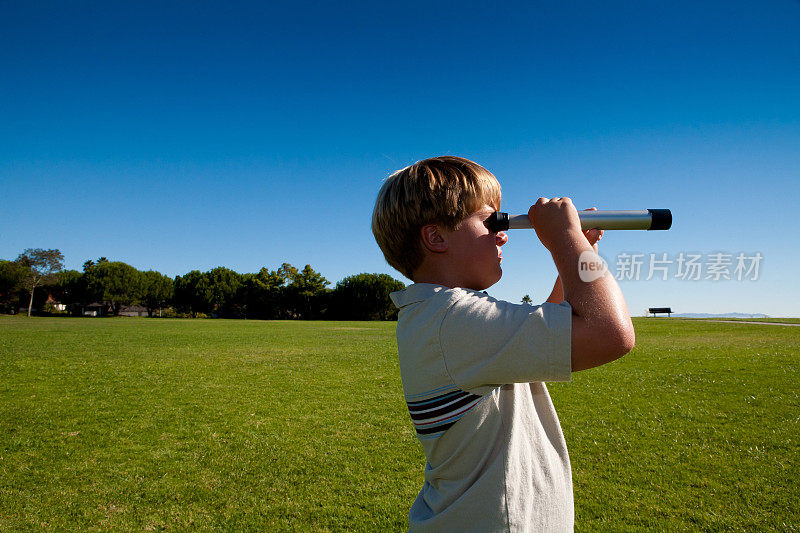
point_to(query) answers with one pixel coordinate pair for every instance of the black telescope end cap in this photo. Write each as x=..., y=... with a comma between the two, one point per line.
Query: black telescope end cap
x=497, y=221
x=660, y=219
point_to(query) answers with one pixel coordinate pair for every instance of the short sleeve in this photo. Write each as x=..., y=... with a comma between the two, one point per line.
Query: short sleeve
x=487, y=342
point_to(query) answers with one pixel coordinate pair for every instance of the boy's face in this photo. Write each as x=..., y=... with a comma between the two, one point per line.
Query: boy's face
x=475, y=251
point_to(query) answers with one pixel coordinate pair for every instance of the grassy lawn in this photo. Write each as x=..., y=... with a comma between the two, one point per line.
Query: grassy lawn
x=154, y=424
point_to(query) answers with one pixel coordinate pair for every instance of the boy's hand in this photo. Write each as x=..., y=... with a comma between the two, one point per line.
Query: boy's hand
x=554, y=219
x=593, y=235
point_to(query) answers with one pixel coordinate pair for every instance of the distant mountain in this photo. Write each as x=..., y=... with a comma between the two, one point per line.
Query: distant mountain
x=721, y=315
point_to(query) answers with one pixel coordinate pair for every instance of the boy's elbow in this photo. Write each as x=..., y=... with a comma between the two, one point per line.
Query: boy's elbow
x=624, y=341
x=620, y=336
x=618, y=342
x=600, y=345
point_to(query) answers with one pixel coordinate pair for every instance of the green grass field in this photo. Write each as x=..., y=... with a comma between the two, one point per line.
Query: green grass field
x=147, y=424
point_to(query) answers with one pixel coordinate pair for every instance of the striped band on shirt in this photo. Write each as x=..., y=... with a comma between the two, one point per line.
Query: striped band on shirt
x=433, y=415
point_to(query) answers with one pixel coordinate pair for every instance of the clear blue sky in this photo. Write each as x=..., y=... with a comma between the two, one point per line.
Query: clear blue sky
x=187, y=135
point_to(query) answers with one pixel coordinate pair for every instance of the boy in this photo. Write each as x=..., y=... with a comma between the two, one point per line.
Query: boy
x=472, y=366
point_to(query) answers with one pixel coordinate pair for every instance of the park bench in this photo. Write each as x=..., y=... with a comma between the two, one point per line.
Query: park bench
x=654, y=310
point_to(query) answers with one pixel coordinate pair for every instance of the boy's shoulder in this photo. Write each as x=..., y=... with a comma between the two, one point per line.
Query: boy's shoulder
x=432, y=299
x=434, y=295
x=439, y=309
x=420, y=292
x=467, y=313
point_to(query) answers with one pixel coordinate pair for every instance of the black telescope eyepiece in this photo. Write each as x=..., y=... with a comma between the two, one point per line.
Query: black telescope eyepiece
x=661, y=219
x=497, y=221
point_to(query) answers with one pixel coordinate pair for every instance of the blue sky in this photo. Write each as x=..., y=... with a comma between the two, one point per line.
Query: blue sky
x=188, y=135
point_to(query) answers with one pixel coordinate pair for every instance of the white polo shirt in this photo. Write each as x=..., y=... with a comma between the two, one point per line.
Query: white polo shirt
x=472, y=369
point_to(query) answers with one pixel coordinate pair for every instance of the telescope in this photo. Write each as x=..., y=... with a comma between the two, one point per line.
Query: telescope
x=648, y=219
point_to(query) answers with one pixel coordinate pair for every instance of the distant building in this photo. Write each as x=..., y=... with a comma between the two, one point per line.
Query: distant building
x=94, y=309
x=133, y=310
x=58, y=306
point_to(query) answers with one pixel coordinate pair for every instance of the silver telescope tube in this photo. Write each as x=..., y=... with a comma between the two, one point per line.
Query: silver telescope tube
x=647, y=219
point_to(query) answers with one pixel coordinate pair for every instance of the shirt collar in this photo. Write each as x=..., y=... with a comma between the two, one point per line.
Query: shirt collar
x=418, y=292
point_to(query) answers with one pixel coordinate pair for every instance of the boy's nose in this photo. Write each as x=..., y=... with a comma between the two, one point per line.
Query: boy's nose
x=502, y=238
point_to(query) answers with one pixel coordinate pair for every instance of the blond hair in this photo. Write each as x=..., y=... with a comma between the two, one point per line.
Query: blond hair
x=441, y=190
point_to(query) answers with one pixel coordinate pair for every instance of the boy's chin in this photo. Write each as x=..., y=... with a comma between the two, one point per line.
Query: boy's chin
x=486, y=284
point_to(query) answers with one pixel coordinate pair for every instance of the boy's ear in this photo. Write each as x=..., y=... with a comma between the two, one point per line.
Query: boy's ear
x=432, y=239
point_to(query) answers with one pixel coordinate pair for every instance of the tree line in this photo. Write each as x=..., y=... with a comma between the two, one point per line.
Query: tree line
x=37, y=279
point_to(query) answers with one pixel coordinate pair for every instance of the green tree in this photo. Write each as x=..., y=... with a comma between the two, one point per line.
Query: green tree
x=157, y=290
x=115, y=283
x=365, y=297
x=287, y=272
x=191, y=293
x=306, y=293
x=527, y=299
x=72, y=291
x=262, y=293
x=12, y=274
x=223, y=287
x=41, y=267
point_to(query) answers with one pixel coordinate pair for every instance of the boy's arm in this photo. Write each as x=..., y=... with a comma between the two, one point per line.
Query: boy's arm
x=557, y=294
x=593, y=236
x=601, y=325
